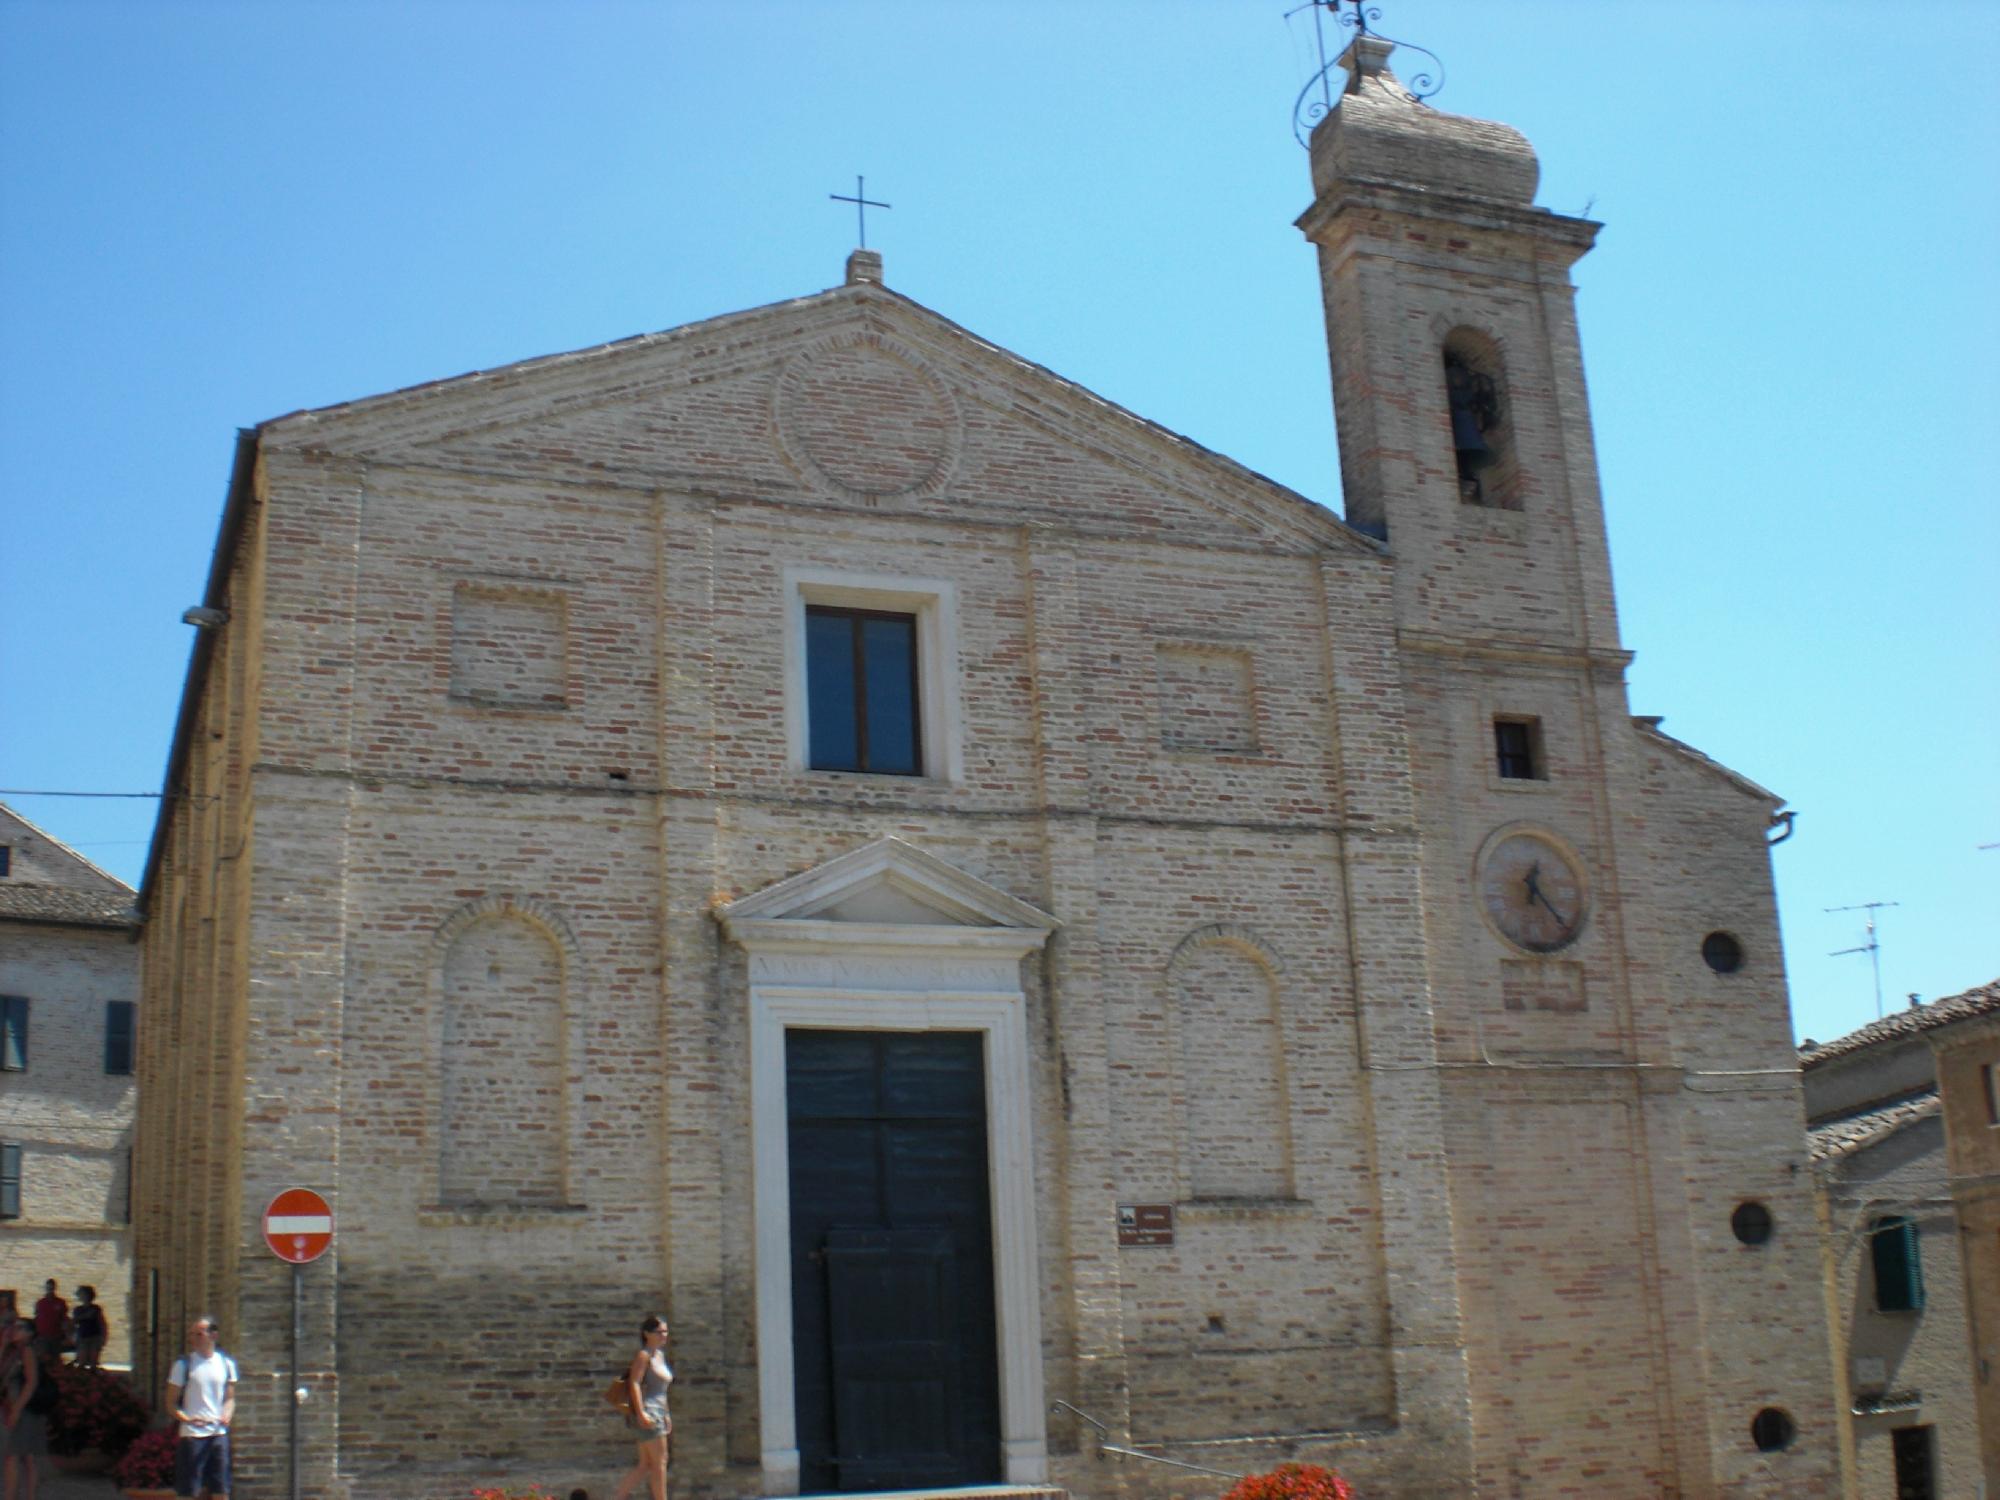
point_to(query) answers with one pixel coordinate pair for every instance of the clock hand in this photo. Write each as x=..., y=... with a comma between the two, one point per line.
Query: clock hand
x=1535, y=894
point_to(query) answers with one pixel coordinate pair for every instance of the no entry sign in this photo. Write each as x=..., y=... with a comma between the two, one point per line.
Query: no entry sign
x=298, y=1226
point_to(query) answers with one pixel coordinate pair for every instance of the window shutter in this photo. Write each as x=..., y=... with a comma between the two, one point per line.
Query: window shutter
x=1899, y=1269
x=118, y=1036
x=13, y=1033
x=10, y=1181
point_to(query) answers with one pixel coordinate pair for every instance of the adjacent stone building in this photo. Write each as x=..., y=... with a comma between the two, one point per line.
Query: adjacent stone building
x=1905, y=1123
x=991, y=916
x=69, y=987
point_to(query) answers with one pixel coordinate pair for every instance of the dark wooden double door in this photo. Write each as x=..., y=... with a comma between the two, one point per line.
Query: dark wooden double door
x=892, y=1260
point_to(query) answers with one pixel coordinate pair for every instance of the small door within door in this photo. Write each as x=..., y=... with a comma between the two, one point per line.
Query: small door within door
x=895, y=1347
x=893, y=1296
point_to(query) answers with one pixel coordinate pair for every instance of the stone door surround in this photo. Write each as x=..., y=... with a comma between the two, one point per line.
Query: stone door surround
x=890, y=937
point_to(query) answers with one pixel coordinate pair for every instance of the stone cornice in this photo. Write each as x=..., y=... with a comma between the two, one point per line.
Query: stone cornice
x=1570, y=237
x=1493, y=648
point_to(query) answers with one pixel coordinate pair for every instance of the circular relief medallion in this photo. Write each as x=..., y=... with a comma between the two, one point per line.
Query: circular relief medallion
x=1532, y=891
x=868, y=418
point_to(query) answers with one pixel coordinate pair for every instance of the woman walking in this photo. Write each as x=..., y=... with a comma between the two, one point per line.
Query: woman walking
x=646, y=1382
x=27, y=1429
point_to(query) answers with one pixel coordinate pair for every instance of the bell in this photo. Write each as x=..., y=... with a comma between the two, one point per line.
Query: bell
x=1474, y=452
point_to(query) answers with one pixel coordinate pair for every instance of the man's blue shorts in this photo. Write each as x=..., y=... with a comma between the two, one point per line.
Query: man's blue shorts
x=201, y=1465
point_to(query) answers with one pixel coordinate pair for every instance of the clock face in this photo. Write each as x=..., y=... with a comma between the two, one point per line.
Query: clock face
x=1532, y=892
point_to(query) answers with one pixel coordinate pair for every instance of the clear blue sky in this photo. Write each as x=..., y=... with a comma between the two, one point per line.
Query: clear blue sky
x=216, y=213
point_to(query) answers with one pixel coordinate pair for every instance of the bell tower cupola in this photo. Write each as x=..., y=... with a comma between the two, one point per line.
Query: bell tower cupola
x=1458, y=384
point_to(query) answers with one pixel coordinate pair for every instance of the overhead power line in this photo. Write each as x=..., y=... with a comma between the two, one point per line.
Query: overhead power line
x=18, y=791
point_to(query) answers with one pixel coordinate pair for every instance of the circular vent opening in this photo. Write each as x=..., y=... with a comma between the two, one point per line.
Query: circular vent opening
x=1722, y=953
x=1751, y=1223
x=1771, y=1429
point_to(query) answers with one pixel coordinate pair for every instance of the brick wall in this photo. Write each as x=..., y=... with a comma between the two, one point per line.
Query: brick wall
x=71, y=1119
x=506, y=708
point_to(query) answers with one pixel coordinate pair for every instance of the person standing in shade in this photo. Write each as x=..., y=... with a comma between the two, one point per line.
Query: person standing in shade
x=646, y=1381
x=24, y=1402
x=91, y=1328
x=51, y=1319
x=201, y=1393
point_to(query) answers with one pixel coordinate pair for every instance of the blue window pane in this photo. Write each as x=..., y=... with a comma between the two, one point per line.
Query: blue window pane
x=118, y=1036
x=831, y=720
x=889, y=647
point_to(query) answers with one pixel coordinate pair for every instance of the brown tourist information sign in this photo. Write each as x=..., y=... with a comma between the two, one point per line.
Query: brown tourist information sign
x=1145, y=1224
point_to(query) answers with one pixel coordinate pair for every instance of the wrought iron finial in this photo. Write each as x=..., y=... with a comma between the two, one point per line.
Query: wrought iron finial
x=1319, y=98
x=862, y=203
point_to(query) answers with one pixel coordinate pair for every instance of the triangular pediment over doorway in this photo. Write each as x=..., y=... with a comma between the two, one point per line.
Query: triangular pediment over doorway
x=892, y=892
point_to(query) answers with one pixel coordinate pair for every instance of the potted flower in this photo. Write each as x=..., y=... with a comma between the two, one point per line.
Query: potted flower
x=96, y=1419
x=1292, y=1482
x=146, y=1472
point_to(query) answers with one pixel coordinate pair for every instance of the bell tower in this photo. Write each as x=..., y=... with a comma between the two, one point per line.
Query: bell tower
x=1608, y=1096
x=1458, y=379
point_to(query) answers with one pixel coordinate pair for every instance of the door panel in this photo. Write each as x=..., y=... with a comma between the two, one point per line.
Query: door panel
x=892, y=1260
x=893, y=1299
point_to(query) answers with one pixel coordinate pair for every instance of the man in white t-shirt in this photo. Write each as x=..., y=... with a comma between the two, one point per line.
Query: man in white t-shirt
x=201, y=1393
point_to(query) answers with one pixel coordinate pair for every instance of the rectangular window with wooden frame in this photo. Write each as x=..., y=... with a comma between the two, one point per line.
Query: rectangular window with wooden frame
x=862, y=709
x=1517, y=749
x=1989, y=1087
x=13, y=1034
x=118, y=1018
x=1898, y=1264
x=10, y=1180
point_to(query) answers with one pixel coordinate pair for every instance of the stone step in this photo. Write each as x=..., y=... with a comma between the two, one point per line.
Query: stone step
x=967, y=1492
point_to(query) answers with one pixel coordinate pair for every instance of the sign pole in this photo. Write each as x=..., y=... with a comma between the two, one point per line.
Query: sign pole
x=298, y=1302
x=298, y=1228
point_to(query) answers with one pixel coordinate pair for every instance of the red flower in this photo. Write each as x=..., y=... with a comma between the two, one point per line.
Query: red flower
x=1292, y=1482
x=94, y=1409
x=149, y=1463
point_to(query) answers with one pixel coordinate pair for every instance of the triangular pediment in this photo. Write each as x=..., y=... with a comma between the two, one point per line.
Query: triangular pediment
x=889, y=884
x=852, y=396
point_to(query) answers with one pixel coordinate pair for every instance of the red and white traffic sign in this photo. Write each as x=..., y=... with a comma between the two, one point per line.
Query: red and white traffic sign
x=298, y=1226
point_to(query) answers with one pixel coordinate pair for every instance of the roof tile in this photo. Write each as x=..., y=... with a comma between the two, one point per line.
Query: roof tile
x=1982, y=1000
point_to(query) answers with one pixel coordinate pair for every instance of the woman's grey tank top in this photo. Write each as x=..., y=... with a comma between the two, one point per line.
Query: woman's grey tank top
x=653, y=1388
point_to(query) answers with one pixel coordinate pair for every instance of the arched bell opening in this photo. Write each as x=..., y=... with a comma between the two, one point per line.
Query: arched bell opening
x=1482, y=429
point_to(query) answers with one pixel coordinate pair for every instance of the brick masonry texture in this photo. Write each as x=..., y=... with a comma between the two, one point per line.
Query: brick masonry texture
x=1902, y=1124
x=67, y=947
x=501, y=718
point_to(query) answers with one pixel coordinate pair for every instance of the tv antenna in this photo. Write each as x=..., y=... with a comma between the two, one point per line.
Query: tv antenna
x=1870, y=947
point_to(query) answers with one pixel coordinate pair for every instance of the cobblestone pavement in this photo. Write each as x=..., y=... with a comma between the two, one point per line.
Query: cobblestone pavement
x=76, y=1487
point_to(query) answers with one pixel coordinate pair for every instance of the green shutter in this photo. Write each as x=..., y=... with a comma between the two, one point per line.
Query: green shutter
x=10, y=1181
x=1899, y=1266
x=13, y=1033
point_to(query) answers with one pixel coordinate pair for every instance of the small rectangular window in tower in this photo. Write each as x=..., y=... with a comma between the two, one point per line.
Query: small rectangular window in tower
x=1899, y=1267
x=10, y=1180
x=862, y=712
x=1517, y=748
x=6, y=860
x=118, y=1016
x=13, y=1034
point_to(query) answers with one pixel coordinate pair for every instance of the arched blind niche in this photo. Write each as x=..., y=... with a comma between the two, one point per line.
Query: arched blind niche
x=1235, y=1097
x=501, y=1065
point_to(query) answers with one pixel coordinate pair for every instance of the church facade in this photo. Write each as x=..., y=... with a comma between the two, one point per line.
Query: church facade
x=1015, y=933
